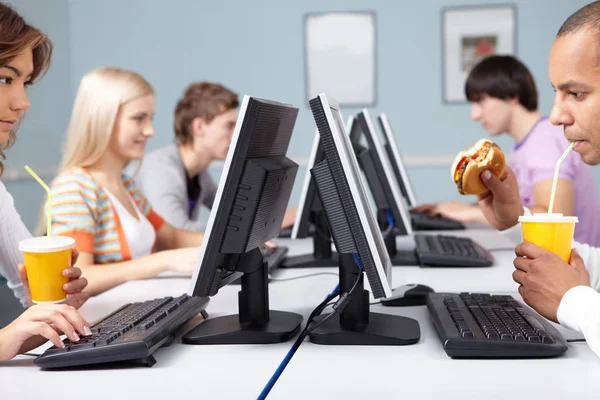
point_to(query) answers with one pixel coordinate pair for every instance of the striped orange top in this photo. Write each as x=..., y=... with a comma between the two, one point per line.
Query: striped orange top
x=82, y=210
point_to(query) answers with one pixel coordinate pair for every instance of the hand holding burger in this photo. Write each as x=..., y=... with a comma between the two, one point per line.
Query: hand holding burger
x=469, y=164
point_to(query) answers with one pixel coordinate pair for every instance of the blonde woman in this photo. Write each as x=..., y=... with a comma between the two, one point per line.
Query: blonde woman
x=114, y=226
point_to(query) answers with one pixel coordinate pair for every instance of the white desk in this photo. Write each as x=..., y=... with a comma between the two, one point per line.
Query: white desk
x=420, y=371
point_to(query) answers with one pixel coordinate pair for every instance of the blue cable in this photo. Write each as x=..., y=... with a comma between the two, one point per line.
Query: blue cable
x=390, y=217
x=284, y=363
x=265, y=392
x=358, y=261
x=263, y=395
x=335, y=291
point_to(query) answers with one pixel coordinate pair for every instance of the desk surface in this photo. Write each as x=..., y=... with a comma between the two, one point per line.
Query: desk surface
x=239, y=372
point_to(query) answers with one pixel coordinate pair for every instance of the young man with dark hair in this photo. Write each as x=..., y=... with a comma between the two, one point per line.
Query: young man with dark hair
x=560, y=291
x=505, y=100
x=175, y=178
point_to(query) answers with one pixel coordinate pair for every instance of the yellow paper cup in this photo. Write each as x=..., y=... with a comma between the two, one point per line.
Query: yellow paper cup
x=553, y=232
x=45, y=259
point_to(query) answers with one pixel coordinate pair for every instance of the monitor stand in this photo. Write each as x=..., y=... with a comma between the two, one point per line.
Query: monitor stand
x=255, y=323
x=322, y=255
x=398, y=257
x=356, y=325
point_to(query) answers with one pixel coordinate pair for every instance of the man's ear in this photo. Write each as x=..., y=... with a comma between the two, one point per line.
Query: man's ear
x=198, y=127
x=513, y=100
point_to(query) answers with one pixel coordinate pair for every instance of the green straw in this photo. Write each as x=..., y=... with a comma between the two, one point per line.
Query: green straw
x=560, y=160
x=48, y=204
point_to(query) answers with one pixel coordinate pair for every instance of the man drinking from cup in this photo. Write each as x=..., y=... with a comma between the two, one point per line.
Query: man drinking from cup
x=566, y=292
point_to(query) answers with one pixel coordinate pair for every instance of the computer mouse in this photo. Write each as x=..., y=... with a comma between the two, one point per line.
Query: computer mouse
x=412, y=294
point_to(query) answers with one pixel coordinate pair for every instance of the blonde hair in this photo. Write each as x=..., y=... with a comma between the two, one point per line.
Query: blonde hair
x=101, y=93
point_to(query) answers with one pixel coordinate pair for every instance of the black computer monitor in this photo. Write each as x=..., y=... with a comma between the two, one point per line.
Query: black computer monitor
x=310, y=218
x=311, y=221
x=393, y=218
x=250, y=204
x=420, y=220
x=386, y=192
x=357, y=239
x=395, y=159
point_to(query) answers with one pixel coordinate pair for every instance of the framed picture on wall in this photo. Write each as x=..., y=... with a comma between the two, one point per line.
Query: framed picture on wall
x=340, y=57
x=469, y=34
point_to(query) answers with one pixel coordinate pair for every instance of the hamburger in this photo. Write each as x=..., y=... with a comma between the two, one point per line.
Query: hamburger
x=469, y=164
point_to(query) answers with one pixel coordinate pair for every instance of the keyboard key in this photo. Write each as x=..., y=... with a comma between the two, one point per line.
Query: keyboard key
x=533, y=322
x=160, y=316
x=104, y=328
x=548, y=339
x=80, y=346
x=102, y=341
x=173, y=307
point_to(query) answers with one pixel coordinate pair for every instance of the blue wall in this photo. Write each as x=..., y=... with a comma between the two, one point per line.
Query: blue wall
x=256, y=48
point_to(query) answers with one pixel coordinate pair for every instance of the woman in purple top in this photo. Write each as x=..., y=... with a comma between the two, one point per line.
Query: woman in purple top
x=504, y=100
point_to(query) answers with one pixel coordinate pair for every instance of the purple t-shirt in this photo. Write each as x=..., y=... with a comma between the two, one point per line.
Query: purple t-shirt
x=533, y=160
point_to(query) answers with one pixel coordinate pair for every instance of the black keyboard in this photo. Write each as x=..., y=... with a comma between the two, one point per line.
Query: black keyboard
x=131, y=333
x=285, y=233
x=426, y=222
x=451, y=251
x=487, y=326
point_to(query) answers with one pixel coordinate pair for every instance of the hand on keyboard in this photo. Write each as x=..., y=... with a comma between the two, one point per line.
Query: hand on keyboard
x=455, y=210
x=545, y=278
x=424, y=208
x=45, y=320
x=131, y=332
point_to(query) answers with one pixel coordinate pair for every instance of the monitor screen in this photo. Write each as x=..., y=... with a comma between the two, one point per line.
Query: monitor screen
x=307, y=196
x=382, y=178
x=393, y=152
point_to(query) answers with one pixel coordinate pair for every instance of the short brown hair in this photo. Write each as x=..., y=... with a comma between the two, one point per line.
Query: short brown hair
x=203, y=100
x=15, y=36
x=502, y=77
